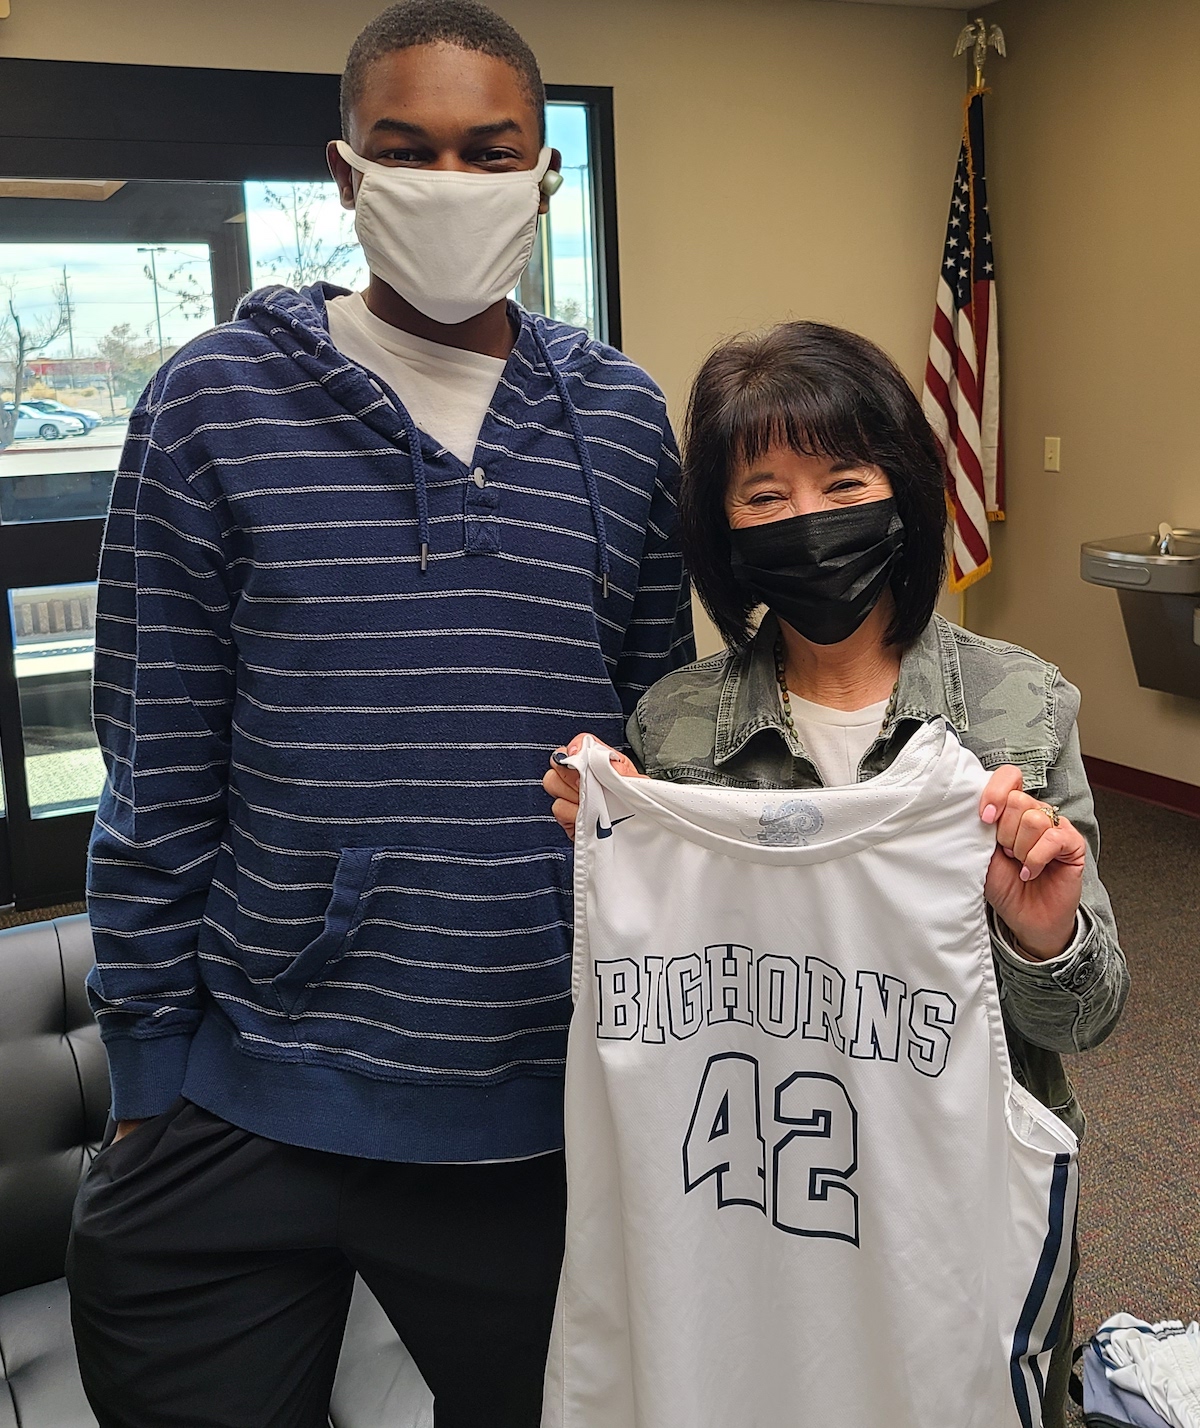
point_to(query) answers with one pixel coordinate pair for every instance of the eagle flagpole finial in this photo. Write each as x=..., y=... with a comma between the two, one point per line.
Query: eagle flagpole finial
x=978, y=37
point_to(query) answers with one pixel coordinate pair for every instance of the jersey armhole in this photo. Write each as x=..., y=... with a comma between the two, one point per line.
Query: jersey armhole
x=1037, y=1127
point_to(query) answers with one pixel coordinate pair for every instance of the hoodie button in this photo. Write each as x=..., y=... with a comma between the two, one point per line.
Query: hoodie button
x=478, y=477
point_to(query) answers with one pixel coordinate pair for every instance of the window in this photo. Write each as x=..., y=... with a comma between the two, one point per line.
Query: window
x=564, y=278
x=83, y=325
x=54, y=628
x=103, y=277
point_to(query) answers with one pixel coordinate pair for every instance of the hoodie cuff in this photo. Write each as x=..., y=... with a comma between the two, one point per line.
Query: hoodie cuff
x=146, y=1074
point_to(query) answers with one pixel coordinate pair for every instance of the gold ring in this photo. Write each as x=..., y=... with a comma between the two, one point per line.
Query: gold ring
x=1052, y=814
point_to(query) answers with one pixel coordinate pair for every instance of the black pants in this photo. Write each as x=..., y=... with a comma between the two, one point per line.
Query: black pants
x=211, y=1271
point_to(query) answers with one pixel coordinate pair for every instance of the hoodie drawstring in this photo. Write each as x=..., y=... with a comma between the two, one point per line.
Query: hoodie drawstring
x=419, y=483
x=585, y=461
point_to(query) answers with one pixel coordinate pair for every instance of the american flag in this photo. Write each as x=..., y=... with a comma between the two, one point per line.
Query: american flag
x=962, y=377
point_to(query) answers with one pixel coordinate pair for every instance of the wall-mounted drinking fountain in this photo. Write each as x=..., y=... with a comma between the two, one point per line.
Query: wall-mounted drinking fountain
x=1157, y=580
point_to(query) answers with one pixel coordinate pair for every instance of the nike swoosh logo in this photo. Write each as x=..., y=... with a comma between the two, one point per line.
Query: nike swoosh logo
x=602, y=832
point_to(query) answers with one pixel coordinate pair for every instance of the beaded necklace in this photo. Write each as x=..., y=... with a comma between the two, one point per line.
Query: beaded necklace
x=786, y=699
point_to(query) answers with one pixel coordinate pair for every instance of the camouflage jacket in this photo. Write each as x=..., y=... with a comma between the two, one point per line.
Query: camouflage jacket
x=719, y=721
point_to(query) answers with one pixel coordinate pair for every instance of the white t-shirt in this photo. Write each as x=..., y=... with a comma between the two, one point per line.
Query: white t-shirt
x=447, y=391
x=836, y=739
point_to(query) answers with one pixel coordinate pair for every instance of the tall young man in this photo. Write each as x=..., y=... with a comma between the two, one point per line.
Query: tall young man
x=369, y=557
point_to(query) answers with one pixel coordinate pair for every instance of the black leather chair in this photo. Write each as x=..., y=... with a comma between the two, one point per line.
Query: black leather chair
x=53, y=1109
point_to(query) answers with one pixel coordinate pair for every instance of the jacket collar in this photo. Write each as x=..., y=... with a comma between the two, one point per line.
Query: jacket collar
x=929, y=687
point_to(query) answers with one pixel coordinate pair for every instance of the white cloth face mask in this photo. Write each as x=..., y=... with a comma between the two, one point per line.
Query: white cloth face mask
x=450, y=243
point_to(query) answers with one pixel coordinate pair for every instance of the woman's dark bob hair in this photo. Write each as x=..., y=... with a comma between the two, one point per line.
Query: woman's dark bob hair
x=823, y=392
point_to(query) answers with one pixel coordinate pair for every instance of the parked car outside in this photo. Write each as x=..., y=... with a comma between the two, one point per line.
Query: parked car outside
x=50, y=426
x=90, y=419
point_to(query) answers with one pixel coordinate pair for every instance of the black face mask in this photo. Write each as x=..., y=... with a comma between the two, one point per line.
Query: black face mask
x=822, y=572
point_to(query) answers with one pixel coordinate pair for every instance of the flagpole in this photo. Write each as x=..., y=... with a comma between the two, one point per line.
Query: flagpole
x=979, y=58
x=960, y=394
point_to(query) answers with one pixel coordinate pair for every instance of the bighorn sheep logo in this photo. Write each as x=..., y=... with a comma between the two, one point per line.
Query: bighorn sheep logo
x=790, y=824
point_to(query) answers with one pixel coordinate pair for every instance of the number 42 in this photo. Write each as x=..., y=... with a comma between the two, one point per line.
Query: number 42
x=811, y=1163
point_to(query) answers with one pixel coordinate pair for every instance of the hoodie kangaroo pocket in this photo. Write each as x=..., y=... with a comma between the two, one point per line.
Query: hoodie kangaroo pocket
x=354, y=864
x=438, y=966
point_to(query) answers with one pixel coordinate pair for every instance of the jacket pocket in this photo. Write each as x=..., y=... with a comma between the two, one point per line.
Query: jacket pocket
x=354, y=864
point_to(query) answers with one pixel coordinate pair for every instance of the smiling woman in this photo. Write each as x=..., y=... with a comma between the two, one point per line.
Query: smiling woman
x=812, y=484
x=801, y=419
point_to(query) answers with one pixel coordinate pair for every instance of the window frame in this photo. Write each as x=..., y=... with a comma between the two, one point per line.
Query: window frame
x=598, y=100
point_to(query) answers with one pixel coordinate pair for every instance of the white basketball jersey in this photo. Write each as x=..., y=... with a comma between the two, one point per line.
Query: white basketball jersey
x=804, y=1188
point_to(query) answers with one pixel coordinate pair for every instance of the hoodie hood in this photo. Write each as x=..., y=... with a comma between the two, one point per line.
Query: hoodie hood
x=297, y=323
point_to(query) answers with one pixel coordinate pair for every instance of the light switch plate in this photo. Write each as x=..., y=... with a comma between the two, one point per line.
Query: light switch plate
x=1052, y=459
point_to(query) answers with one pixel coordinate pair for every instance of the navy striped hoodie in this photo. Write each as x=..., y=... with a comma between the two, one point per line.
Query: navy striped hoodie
x=330, y=903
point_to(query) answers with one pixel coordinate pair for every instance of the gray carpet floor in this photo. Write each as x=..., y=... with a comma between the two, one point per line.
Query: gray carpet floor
x=11, y=918
x=1139, y=1219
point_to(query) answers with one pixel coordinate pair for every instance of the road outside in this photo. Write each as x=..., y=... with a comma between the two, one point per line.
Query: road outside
x=98, y=450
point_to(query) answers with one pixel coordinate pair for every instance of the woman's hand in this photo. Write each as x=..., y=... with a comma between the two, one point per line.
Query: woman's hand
x=1035, y=877
x=562, y=784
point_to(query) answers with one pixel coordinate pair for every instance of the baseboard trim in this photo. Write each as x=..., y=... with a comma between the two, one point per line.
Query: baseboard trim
x=1154, y=788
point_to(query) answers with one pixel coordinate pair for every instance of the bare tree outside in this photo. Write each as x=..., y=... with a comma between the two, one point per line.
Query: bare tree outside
x=129, y=360
x=310, y=257
x=570, y=311
x=22, y=337
x=193, y=297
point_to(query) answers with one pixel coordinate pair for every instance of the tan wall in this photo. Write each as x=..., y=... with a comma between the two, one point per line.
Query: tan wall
x=1093, y=134
x=775, y=158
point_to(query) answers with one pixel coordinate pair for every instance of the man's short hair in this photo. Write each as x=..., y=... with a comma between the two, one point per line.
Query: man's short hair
x=464, y=23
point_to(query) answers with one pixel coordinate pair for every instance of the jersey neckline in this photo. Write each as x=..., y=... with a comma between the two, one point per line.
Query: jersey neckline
x=918, y=779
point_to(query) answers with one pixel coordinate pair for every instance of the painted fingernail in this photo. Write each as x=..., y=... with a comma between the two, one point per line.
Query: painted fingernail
x=559, y=756
x=989, y=813
x=1025, y=875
